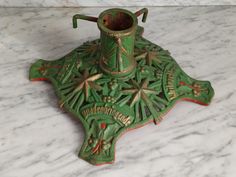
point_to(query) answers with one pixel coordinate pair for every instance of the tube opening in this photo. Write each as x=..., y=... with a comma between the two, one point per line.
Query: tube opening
x=117, y=21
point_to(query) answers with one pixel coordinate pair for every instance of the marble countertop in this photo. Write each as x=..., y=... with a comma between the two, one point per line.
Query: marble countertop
x=37, y=139
x=103, y=3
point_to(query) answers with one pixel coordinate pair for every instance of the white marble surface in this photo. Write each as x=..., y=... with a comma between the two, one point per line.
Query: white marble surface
x=38, y=140
x=102, y=3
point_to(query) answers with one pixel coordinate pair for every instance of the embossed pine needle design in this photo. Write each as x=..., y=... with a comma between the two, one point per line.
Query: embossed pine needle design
x=141, y=92
x=118, y=82
x=150, y=57
x=89, y=49
x=82, y=85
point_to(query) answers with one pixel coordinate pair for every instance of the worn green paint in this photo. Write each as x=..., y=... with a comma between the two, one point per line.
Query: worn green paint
x=107, y=96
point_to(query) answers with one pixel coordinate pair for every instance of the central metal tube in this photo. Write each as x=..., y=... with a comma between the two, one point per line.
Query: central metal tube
x=118, y=27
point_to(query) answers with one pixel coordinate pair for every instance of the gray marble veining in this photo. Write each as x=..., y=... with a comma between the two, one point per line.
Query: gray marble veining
x=37, y=139
x=102, y=3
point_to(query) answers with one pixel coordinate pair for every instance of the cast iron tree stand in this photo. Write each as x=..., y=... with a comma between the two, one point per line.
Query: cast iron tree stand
x=118, y=82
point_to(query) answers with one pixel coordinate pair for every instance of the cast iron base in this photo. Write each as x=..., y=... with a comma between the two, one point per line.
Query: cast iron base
x=109, y=106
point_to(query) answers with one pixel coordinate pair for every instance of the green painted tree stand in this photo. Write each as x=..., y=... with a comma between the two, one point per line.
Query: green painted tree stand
x=118, y=82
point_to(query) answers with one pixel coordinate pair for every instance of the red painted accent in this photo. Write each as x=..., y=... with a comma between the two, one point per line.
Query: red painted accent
x=39, y=79
x=98, y=147
x=190, y=86
x=195, y=101
x=103, y=125
x=182, y=83
x=105, y=163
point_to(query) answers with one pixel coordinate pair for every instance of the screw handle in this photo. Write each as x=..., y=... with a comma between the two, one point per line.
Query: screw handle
x=143, y=11
x=82, y=17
